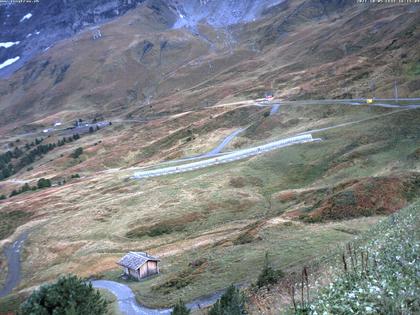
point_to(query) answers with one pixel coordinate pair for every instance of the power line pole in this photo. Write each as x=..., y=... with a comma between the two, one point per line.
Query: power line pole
x=395, y=90
x=372, y=88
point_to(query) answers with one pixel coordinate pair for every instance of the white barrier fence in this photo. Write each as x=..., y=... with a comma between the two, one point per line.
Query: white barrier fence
x=230, y=157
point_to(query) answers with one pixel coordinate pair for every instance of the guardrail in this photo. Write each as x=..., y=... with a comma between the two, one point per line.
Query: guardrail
x=230, y=157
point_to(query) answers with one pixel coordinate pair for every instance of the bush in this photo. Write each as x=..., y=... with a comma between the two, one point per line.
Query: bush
x=76, y=153
x=43, y=183
x=14, y=193
x=180, y=309
x=232, y=302
x=2, y=197
x=268, y=275
x=69, y=295
x=379, y=275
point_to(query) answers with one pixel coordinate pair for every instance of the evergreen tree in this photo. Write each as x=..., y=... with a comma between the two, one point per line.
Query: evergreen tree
x=268, y=275
x=69, y=295
x=76, y=153
x=43, y=183
x=232, y=302
x=180, y=309
x=14, y=193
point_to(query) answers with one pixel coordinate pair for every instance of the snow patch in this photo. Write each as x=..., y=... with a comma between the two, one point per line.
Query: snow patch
x=9, y=44
x=37, y=32
x=26, y=17
x=29, y=35
x=8, y=62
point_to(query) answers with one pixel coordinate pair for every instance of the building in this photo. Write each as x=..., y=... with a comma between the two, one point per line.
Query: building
x=139, y=265
x=269, y=96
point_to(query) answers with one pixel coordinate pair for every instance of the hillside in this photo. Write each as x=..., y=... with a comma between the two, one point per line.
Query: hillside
x=172, y=83
x=372, y=274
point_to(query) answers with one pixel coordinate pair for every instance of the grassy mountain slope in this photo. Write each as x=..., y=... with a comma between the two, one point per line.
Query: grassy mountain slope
x=158, y=87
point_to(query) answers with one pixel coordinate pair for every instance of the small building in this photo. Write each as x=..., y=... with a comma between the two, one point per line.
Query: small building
x=139, y=265
x=269, y=96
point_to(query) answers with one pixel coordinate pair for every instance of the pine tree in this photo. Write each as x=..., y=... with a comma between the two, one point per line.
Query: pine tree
x=76, y=153
x=232, y=302
x=268, y=275
x=14, y=193
x=43, y=183
x=180, y=309
x=68, y=296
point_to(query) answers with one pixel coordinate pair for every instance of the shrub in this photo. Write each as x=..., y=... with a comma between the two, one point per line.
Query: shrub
x=43, y=183
x=232, y=302
x=69, y=295
x=2, y=197
x=180, y=309
x=244, y=238
x=14, y=193
x=268, y=275
x=76, y=153
x=380, y=275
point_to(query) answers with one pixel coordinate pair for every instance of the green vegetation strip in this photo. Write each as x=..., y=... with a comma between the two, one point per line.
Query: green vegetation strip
x=380, y=274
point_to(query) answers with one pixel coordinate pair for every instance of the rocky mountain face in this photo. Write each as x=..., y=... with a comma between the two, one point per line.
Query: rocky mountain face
x=30, y=28
x=35, y=27
x=220, y=13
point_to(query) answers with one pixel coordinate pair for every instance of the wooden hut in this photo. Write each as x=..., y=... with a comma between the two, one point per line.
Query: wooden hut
x=139, y=265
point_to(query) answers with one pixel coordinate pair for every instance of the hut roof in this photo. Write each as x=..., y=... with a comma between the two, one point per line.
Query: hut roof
x=134, y=260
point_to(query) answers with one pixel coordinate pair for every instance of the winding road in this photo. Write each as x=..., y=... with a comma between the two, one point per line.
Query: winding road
x=275, y=108
x=214, y=152
x=12, y=253
x=226, y=158
x=128, y=304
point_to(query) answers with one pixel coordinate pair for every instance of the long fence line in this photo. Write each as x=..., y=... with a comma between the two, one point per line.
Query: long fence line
x=230, y=157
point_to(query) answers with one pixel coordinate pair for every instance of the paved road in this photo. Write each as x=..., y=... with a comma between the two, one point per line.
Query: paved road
x=226, y=158
x=128, y=304
x=224, y=143
x=352, y=102
x=275, y=108
x=12, y=253
x=214, y=152
x=127, y=299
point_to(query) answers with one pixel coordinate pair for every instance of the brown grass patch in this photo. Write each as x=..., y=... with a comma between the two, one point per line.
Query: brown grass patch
x=367, y=197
